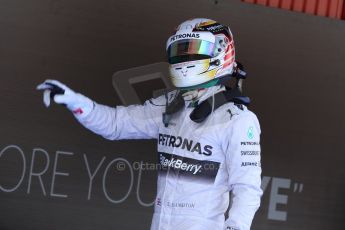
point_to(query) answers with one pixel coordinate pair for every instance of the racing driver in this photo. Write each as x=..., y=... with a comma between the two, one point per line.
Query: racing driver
x=208, y=141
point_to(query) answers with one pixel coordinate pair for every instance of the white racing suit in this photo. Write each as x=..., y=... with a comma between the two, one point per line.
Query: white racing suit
x=200, y=162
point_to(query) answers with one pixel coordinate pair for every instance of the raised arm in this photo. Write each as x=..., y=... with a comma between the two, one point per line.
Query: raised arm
x=132, y=122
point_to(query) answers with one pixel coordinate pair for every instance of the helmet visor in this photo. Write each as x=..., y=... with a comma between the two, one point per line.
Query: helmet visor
x=190, y=50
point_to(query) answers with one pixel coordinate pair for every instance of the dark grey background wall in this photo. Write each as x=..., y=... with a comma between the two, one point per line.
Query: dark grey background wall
x=296, y=67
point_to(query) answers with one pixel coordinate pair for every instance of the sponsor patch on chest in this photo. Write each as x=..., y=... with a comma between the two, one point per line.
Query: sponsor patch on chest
x=185, y=144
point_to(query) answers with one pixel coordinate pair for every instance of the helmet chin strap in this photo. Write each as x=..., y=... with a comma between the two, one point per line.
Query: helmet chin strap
x=193, y=95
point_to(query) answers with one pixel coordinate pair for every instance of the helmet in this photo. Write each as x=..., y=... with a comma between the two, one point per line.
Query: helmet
x=199, y=53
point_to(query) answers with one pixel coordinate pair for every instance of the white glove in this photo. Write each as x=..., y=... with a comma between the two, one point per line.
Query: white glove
x=80, y=105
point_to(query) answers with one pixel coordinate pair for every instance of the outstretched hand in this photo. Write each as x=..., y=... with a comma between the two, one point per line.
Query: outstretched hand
x=61, y=94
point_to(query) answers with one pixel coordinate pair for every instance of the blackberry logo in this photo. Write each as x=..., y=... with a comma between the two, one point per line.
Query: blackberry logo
x=188, y=169
x=179, y=164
